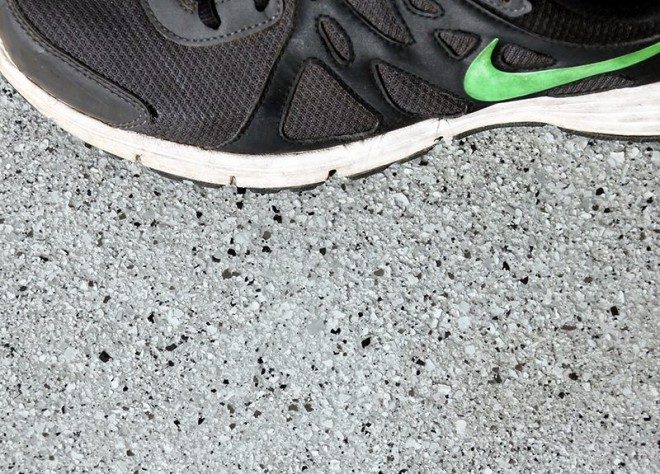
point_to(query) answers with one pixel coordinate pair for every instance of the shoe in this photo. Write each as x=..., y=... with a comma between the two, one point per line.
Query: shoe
x=285, y=93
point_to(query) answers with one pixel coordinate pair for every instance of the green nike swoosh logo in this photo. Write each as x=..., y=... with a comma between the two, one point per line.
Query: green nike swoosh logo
x=484, y=82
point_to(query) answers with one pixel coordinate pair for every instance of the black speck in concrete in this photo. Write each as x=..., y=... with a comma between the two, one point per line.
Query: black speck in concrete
x=444, y=336
x=497, y=378
x=366, y=342
x=104, y=356
x=614, y=310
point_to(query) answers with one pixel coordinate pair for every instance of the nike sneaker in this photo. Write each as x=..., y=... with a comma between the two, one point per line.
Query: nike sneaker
x=285, y=93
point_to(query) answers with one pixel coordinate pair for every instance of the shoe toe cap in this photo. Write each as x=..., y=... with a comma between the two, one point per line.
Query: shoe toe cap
x=62, y=76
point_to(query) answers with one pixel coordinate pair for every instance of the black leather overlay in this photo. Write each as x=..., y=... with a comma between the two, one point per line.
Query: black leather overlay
x=336, y=39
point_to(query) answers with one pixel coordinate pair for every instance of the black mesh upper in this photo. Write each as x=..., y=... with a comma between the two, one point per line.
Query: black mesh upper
x=558, y=19
x=321, y=108
x=513, y=57
x=637, y=9
x=416, y=96
x=426, y=7
x=383, y=16
x=202, y=96
x=592, y=84
x=458, y=44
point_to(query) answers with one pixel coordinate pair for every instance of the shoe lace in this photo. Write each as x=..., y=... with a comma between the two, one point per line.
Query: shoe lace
x=209, y=15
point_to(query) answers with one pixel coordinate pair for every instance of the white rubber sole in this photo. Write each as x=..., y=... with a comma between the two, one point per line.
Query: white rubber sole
x=632, y=112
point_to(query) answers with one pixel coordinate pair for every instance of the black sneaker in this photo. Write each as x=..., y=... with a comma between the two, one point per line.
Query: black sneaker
x=278, y=93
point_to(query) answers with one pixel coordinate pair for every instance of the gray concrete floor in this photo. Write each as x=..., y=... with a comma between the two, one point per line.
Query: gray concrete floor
x=492, y=306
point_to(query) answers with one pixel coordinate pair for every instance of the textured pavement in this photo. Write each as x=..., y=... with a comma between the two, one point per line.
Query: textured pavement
x=490, y=307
